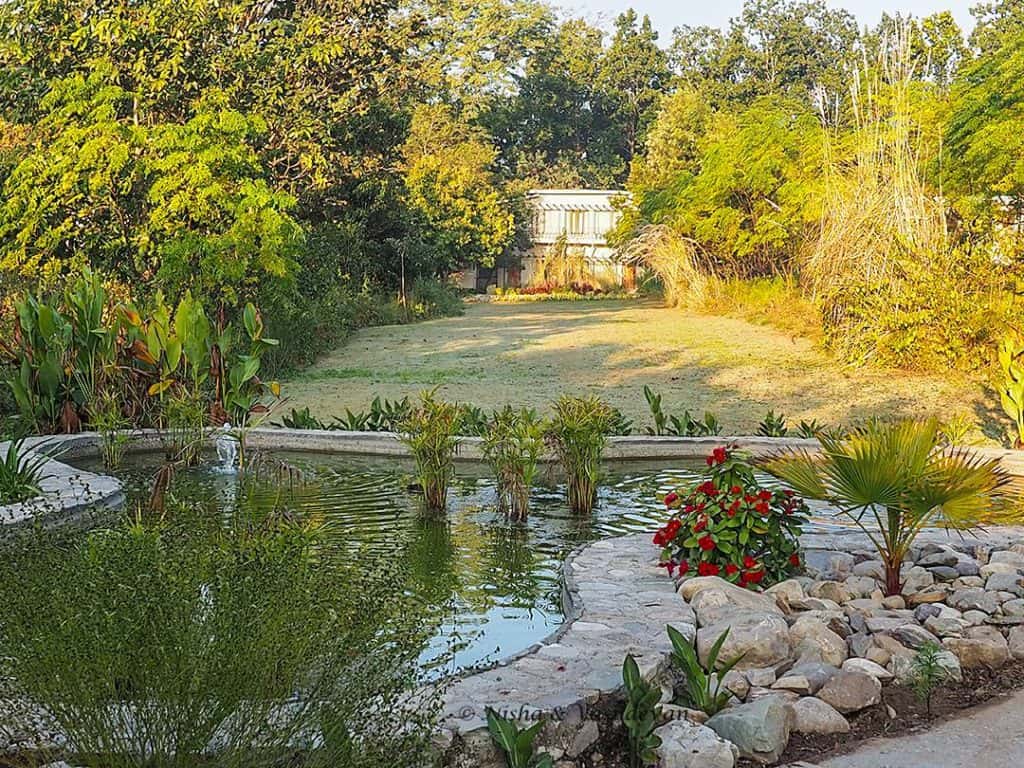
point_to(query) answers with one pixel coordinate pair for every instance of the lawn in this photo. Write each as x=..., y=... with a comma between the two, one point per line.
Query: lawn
x=531, y=353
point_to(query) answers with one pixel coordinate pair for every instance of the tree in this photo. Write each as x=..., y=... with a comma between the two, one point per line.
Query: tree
x=450, y=185
x=939, y=42
x=995, y=21
x=633, y=76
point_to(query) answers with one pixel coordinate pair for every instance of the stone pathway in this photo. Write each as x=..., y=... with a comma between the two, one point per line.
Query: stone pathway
x=991, y=736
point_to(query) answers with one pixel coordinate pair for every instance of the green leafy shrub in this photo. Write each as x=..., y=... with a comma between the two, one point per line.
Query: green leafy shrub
x=927, y=673
x=773, y=426
x=431, y=433
x=20, y=473
x=1011, y=389
x=237, y=643
x=729, y=525
x=680, y=426
x=703, y=687
x=516, y=743
x=512, y=445
x=578, y=433
x=640, y=715
x=893, y=480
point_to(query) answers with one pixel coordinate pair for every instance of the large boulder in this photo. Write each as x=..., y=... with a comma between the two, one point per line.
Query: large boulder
x=974, y=599
x=714, y=599
x=688, y=745
x=982, y=646
x=812, y=639
x=1016, y=642
x=851, y=691
x=760, y=729
x=761, y=639
x=812, y=715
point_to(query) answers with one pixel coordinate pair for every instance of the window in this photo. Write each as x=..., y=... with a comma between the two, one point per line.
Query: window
x=577, y=222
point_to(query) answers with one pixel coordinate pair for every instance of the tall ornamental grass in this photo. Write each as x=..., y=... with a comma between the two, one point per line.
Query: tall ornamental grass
x=247, y=644
x=578, y=432
x=512, y=445
x=431, y=433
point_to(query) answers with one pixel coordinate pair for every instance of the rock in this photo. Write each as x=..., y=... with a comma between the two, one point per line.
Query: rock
x=974, y=599
x=585, y=737
x=1016, y=559
x=830, y=590
x=981, y=647
x=989, y=570
x=860, y=586
x=813, y=715
x=760, y=729
x=736, y=682
x=759, y=693
x=894, y=603
x=867, y=667
x=795, y=683
x=943, y=557
x=760, y=678
x=924, y=612
x=968, y=582
x=715, y=599
x=762, y=639
x=915, y=579
x=913, y=636
x=859, y=643
x=1006, y=582
x=815, y=673
x=1014, y=607
x=1016, y=642
x=974, y=618
x=945, y=573
x=873, y=569
x=968, y=567
x=927, y=596
x=879, y=656
x=851, y=691
x=791, y=589
x=676, y=712
x=903, y=667
x=946, y=627
x=814, y=637
x=688, y=745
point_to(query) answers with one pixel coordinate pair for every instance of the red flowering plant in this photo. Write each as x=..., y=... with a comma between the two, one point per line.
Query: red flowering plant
x=731, y=526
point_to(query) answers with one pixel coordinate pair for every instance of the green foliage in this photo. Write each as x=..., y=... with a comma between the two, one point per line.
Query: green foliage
x=640, y=715
x=703, y=687
x=578, y=433
x=20, y=473
x=1011, y=389
x=729, y=525
x=895, y=479
x=680, y=426
x=430, y=431
x=238, y=641
x=773, y=426
x=516, y=743
x=513, y=444
x=927, y=673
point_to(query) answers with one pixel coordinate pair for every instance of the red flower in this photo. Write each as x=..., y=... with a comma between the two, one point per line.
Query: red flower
x=764, y=495
x=718, y=456
x=754, y=577
x=702, y=523
x=749, y=499
x=789, y=493
x=684, y=567
x=707, y=569
x=731, y=512
x=794, y=560
x=706, y=543
x=671, y=499
x=673, y=526
x=708, y=488
x=731, y=569
x=736, y=490
x=659, y=538
x=749, y=563
x=762, y=508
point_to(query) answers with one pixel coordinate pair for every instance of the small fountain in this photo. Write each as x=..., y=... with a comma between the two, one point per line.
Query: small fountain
x=227, y=449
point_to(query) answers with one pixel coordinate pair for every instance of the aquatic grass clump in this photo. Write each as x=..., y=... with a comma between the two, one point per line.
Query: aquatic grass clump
x=512, y=444
x=431, y=433
x=578, y=433
x=251, y=643
x=20, y=473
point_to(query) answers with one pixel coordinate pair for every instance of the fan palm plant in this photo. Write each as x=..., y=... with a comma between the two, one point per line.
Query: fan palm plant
x=895, y=479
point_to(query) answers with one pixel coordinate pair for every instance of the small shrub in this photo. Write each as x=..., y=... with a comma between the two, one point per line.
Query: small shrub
x=578, y=433
x=20, y=473
x=431, y=432
x=107, y=419
x=809, y=429
x=640, y=715
x=512, y=445
x=927, y=673
x=773, y=426
x=893, y=480
x=703, y=686
x=303, y=419
x=516, y=743
x=731, y=526
x=1011, y=389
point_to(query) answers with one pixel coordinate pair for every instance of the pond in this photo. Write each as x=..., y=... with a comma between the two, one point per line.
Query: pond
x=492, y=589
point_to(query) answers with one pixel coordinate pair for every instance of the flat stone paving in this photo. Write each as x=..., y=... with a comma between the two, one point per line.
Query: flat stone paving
x=621, y=602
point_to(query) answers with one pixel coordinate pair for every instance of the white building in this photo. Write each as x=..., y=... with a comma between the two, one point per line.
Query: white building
x=583, y=216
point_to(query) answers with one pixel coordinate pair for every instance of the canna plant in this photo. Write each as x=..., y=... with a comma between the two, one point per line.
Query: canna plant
x=431, y=433
x=893, y=480
x=1011, y=390
x=512, y=444
x=703, y=684
x=578, y=433
x=641, y=715
x=516, y=743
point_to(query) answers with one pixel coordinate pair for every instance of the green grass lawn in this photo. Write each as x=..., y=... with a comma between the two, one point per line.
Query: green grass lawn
x=531, y=353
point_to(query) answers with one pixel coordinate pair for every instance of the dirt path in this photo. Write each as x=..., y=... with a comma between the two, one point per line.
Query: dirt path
x=531, y=353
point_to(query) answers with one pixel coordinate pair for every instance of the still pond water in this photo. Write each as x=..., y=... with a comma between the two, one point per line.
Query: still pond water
x=493, y=588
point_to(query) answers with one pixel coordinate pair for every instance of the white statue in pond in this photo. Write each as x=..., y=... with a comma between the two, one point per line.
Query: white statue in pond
x=227, y=447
